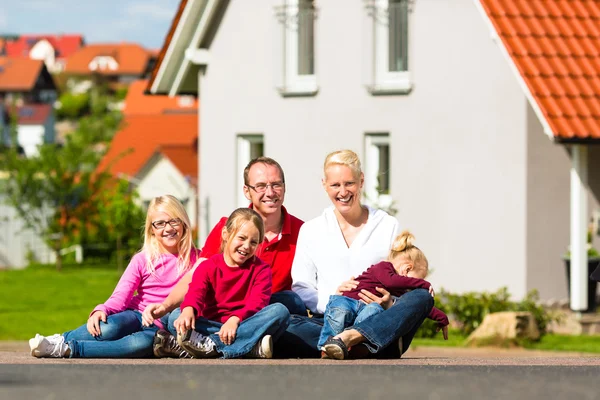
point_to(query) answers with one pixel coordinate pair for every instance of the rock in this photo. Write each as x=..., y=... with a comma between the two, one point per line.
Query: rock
x=502, y=328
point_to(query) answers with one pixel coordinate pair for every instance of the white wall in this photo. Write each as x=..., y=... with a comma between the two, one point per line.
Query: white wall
x=30, y=137
x=164, y=178
x=457, y=141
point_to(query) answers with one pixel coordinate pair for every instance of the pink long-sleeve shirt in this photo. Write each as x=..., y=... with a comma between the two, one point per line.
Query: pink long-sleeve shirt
x=218, y=291
x=151, y=288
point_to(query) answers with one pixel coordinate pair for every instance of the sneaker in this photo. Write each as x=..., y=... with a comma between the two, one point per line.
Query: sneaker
x=52, y=346
x=165, y=345
x=335, y=348
x=197, y=344
x=262, y=349
x=400, y=346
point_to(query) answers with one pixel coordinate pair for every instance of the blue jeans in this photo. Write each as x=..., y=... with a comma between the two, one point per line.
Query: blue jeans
x=271, y=320
x=381, y=330
x=122, y=336
x=342, y=312
x=289, y=299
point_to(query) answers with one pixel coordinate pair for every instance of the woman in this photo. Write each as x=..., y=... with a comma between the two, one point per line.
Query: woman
x=334, y=248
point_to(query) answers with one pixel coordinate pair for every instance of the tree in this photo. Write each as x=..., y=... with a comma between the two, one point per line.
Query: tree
x=59, y=192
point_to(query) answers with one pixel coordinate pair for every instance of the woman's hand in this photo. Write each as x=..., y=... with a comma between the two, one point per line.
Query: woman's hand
x=185, y=321
x=153, y=311
x=346, y=286
x=228, y=330
x=444, y=330
x=93, y=323
x=385, y=301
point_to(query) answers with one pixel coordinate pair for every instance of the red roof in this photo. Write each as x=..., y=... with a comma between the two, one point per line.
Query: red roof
x=64, y=45
x=33, y=114
x=137, y=102
x=142, y=135
x=132, y=59
x=19, y=73
x=555, y=45
x=185, y=158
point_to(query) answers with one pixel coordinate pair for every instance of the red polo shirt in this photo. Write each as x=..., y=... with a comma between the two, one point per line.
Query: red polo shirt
x=278, y=253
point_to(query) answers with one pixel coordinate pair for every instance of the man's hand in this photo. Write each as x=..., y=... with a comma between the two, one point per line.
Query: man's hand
x=93, y=323
x=347, y=286
x=385, y=301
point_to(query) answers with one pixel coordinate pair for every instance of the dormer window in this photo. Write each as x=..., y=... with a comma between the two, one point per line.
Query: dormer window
x=296, y=20
x=103, y=63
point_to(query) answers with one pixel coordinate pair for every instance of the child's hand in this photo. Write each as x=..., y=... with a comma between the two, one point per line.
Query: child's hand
x=431, y=291
x=93, y=323
x=228, y=330
x=444, y=330
x=151, y=312
x=185, y=321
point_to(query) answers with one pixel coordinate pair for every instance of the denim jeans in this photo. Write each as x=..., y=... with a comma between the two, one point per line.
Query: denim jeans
x=342, y=312
x=289, y=299
x=271, y=320
x=381, y=330
x=122, y=336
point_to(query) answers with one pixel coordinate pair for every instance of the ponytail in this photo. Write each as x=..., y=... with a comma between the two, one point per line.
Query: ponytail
x=403, y=245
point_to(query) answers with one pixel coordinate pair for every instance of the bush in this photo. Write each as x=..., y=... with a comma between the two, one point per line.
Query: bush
x=468, y=310
x=73, y=106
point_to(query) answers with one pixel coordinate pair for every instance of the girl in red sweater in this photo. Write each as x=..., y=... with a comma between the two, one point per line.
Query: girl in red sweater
x=226, y=310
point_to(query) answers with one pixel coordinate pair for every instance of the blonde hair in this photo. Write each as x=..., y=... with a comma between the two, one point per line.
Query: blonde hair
x=169, y=205
x=343, y=157
x=238, y=218
x=404, y=246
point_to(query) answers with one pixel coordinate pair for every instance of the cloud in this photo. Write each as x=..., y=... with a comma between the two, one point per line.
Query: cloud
x=157, y=11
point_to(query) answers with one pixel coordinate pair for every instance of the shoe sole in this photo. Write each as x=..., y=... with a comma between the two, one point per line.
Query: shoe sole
x=334, y=351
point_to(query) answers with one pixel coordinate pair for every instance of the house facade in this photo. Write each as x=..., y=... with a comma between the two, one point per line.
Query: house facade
x=52, y=49
x=447, y=136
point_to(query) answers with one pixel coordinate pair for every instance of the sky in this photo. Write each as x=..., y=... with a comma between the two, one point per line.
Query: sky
x=141, y=21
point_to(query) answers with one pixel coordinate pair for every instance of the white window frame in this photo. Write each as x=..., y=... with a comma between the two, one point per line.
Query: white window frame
x=103, y=63
x=292, y=83
x=381, y=79
x=244, y=155
x=371, y=171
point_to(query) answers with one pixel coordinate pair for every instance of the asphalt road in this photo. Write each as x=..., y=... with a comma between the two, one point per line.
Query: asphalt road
x=305, y=382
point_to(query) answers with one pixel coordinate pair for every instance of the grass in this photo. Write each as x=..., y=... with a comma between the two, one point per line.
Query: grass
x=39, y=299
x=42, y=300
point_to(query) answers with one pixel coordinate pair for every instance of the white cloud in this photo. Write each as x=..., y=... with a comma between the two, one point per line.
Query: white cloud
x=156, y=11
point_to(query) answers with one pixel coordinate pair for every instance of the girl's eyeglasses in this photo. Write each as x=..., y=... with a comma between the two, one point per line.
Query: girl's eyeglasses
x=175, y=222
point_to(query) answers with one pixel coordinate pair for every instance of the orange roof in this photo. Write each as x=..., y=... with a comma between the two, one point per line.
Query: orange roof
x=142, y=135
x=137, y=102
x=19, y=73
x=185, y=158
x=132, y=59
x=165, y=45
x=555, y=45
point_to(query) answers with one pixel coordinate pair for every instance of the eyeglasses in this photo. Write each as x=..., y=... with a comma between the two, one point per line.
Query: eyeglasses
x=262, y=187
x=175, y=222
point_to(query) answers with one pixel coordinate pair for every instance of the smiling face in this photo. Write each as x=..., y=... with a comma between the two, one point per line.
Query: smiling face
x=241, y=246
x=270, y=201
x=343, y=187
x=167, y=237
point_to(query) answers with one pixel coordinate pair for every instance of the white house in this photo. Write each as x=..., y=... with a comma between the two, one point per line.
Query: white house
x=35, y=127
x=445, y=121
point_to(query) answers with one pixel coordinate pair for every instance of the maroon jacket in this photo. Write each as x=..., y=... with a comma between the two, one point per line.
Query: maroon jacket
x=384, y=275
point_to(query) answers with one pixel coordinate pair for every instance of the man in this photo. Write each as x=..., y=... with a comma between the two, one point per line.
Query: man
x=264, y=187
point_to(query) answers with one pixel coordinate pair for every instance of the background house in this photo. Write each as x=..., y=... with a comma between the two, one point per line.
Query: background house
x=448, y=132
x=35, y=126
x=52, y=49
x=26, y=81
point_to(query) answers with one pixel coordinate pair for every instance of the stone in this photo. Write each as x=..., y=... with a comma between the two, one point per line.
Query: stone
x=502, y=328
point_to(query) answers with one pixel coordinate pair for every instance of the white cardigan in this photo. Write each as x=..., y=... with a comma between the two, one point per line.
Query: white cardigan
x=323, y=260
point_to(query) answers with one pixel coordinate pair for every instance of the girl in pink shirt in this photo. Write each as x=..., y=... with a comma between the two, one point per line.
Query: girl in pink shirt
x=115, y=329
x=226, y=310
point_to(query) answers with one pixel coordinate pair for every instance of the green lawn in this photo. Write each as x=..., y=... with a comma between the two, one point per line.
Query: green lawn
x=42, y=300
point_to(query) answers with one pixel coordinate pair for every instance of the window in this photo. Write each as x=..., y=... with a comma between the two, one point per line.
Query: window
x=377, y=170
x=103, y=63
x=296, y=50
x=249, y=147
x=387, y=49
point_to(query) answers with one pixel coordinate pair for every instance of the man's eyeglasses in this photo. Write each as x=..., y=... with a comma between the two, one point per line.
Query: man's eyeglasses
x=175, y=222
x=262, y=187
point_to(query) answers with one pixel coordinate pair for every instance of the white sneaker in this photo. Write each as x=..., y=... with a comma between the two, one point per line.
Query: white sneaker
x=53, y=346
x=262, y=349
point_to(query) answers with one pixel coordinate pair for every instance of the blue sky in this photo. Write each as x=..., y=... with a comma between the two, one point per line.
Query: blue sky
x=142, y=21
